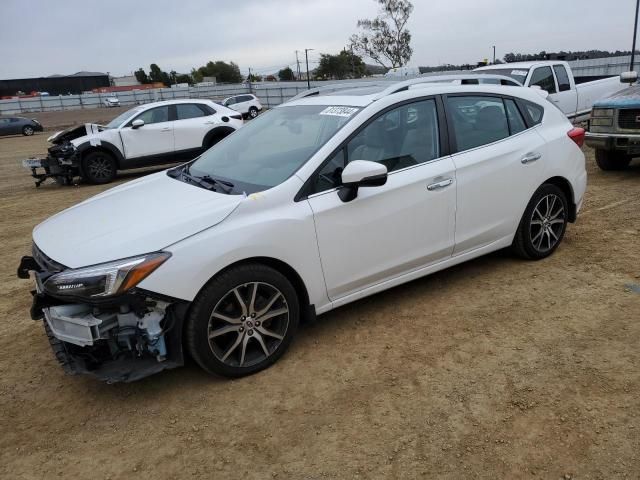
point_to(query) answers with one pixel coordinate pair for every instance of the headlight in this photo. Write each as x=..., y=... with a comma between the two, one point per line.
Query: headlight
x=602, y=112
x=105, y=279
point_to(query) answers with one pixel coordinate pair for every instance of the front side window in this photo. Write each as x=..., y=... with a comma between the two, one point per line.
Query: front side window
x=269, y=149
x=543, y=78
x=563, y=79
x=400, y=138
x=229, y=101
x=155, y=115
x=119, y=120
x=477, y=120
x=185, y=111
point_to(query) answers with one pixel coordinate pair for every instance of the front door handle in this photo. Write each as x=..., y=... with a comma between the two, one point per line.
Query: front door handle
x=439, y=185
x=530, y=158
x=165, y=130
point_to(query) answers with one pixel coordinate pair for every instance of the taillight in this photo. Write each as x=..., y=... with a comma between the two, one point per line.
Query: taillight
x=577, y=135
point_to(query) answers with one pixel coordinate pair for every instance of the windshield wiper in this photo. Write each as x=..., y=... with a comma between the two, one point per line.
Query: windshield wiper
x=206, y=181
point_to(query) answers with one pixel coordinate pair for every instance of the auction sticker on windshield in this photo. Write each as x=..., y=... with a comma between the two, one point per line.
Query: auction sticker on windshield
x=520, y=73
x=339, y=111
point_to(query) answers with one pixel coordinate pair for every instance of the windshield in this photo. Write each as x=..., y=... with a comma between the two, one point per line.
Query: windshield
x=116, y=122
x=269, y=149
x=519, y=74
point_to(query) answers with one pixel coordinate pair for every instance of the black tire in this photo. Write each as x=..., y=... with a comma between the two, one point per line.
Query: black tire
x=612, y=160
x=99, y=167
x=253, y=112
x=28, y=130
x=540, y=231
x=241, y=346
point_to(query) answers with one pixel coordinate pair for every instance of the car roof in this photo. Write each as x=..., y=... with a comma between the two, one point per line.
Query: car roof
x=434, y=88
x=516, y=65
x=175, y=102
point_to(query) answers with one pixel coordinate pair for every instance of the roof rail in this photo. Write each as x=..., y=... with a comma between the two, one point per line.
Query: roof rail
x=336, y=87
x=406, y=84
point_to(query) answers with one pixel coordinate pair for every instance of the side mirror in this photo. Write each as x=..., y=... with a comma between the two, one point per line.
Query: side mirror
x=628, y=77
x=137, y=123
x=538, y=89
x=361, y=173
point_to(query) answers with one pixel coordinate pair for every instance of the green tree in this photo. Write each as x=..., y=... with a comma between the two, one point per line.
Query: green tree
x=254, y=78
x=224, y=72
x=338, y=67
x=385, y=39
x=157, y=75
x=286, y=74
x=141, y=76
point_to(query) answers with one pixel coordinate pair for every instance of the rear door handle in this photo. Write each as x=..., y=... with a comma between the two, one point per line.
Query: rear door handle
x=439, y=185
x=531, y=157
x=165, y=129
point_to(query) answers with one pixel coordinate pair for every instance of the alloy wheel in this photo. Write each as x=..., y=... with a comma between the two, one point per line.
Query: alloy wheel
x=100, y=168
x=253, y=113
x=28, y=131
x=248, y=324
x=547, y=223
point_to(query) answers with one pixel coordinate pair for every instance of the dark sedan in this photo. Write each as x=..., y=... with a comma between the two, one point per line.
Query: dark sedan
x=19, y=125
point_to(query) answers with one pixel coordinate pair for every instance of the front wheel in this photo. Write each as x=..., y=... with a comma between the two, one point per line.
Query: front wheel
x=27, y=131
x=98, y=168
x=612, y=160
x=242, y=321
x=543, y=223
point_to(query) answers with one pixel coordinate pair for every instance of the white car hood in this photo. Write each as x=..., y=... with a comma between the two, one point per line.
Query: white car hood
x=141, y=216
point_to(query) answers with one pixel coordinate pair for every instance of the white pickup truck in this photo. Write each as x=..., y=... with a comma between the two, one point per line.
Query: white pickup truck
x=575, y=100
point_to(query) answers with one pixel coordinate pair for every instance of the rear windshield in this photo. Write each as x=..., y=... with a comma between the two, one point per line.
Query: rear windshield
x=519, y=74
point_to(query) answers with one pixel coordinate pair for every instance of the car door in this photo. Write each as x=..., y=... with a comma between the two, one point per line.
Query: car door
x=5, y=128
x=16, y=125
x=498, y=162
x=153, y=139
x=390, y=230
x=243, y=104
x=567, y=98
x=193, y=121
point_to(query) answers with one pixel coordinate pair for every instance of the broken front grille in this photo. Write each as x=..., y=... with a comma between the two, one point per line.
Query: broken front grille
x=629, y=119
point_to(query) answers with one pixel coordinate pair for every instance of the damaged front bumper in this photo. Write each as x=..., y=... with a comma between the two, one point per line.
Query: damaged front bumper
x=118, y=340
x=62, y=164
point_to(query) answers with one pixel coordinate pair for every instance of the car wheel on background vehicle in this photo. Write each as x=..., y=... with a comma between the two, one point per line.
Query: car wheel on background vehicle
x=253, y=112
x=543, y=223
x=612, y=160
x=242, y=321
x=98, y=167
x=27, y=130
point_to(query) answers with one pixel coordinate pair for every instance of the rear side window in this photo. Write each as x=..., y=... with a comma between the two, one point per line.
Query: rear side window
x=477, y=120
x=543, y=78
x=185, y=111
x=563, y=79
x=535, y=112
x=246, y=98
x=516, y=122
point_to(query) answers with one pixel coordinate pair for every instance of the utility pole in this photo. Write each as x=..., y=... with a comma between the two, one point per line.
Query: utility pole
x=635, y=32
x=298, y=64
x=306, y=54
x=249, y=80
x=494, y=53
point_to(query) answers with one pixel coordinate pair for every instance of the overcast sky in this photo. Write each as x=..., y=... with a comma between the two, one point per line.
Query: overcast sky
x=44, y=37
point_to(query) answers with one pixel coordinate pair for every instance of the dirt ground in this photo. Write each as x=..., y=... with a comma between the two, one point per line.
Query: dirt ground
x=497, y=368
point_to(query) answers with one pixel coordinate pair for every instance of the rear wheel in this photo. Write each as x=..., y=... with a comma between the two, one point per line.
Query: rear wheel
x=99, y=167
x=543, y=223
x=612, y=160
x=27, y=130
x=253, y=112
x=242, y=321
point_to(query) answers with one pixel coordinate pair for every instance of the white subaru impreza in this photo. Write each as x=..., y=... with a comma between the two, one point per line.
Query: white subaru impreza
x=319, y=202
